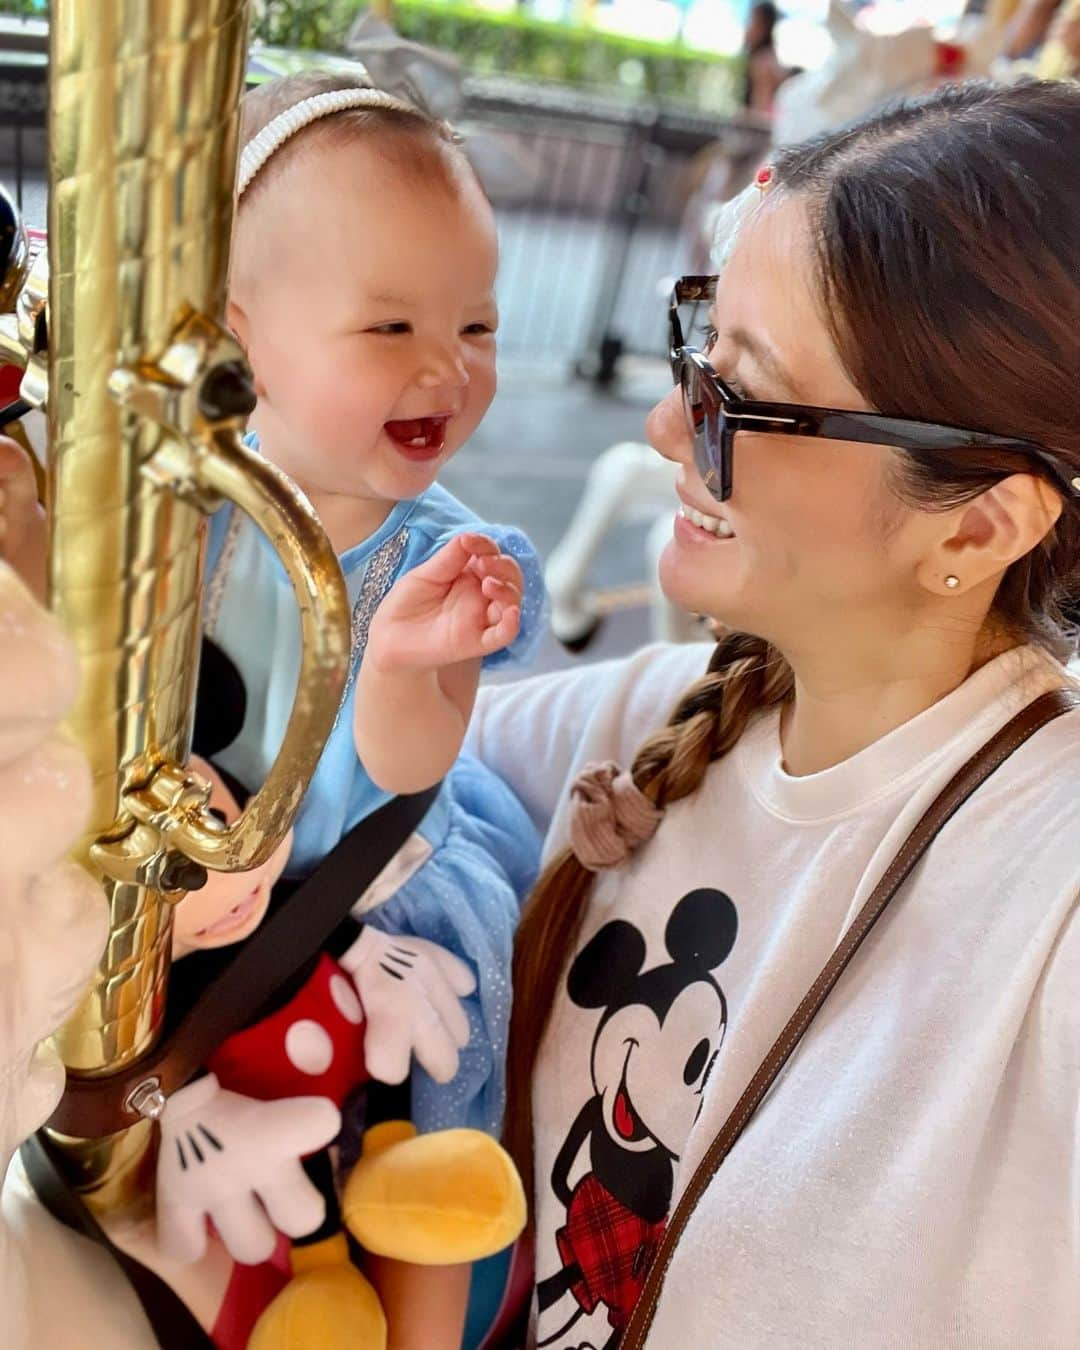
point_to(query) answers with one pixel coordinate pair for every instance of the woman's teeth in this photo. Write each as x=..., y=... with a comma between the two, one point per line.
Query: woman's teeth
x=713, y=524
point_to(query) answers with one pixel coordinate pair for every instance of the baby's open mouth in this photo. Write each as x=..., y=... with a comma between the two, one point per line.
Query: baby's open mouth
x=419, y=437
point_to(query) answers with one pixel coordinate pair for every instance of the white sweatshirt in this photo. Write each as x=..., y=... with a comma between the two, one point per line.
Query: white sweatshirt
x=913, y=1178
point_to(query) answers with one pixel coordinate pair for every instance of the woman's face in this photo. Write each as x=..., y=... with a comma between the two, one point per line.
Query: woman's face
x=818, y=535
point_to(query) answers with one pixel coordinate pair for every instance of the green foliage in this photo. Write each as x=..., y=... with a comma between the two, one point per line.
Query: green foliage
x=515, y=44
x=488, y=43
x=320, y=25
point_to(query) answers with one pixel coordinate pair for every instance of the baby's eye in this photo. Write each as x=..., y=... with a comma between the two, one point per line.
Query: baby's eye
x=390, y=329
x=479, y=329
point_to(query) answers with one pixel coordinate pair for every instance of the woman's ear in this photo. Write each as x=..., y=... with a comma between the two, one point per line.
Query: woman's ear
x=981, y=539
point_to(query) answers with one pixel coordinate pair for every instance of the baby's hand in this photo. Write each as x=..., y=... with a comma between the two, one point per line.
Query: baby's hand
x=462, y=604
x=22, y=521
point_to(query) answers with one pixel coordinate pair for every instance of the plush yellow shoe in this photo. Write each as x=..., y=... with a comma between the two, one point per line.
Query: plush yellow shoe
x=327, y=1305
x=436, y=1199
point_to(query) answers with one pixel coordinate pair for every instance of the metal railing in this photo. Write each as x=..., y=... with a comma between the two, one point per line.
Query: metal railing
x=589, y=193
x=592, y=226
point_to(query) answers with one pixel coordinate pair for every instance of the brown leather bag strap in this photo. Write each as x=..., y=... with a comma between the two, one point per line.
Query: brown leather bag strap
x=973, y=774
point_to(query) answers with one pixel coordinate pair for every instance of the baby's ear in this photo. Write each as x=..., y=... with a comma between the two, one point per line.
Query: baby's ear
x=605, y=969
x=237, y=322
x=702, y=929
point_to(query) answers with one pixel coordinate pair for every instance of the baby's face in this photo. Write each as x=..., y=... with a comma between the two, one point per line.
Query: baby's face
x=232, y=904
x=364, y=295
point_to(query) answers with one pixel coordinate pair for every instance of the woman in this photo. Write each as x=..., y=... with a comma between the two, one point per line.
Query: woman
x=911, y=1179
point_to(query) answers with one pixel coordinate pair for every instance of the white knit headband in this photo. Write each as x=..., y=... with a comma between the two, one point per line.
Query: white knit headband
x=276, y=132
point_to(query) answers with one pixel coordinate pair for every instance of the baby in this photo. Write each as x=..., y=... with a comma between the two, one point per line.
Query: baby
x=361, y=289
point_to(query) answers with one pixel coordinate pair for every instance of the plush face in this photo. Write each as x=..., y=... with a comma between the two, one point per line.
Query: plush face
x=636, y=1049
x=232, y=904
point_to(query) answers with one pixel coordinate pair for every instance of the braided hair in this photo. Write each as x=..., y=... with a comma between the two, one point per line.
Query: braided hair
x=746, y=676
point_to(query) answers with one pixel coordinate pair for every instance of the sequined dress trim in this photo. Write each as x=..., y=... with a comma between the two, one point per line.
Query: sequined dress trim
x=378, y=578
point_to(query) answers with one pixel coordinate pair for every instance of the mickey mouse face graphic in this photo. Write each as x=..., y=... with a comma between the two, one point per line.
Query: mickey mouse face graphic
x=639, y=1047
x=651, y=1057
x=662, y=1029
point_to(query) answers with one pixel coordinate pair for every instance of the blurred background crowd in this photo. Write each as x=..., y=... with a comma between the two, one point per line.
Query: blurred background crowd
x=608, y=134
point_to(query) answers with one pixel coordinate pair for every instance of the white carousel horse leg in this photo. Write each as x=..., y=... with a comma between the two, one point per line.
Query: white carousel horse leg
x=669, y=623
x=623, y=480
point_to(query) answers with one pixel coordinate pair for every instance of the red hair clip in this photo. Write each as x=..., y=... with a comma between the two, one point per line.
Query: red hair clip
x=763, y=177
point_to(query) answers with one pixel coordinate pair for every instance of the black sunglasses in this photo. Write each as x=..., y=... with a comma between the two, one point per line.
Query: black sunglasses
x=715, y=413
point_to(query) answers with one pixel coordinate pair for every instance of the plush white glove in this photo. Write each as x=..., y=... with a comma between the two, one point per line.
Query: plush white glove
x=221, y=1154
x=411, y=991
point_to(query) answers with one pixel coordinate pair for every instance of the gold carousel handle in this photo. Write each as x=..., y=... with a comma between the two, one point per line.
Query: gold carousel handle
x=199, y=392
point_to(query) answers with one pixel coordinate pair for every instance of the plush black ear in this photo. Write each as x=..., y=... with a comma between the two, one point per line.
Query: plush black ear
x=702, y=929
x=220, y=702
x=9, y=231
x=605, y=969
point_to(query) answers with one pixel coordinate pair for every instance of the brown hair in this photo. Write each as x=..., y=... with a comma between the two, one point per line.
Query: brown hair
x=412, y=141
x=946, y=234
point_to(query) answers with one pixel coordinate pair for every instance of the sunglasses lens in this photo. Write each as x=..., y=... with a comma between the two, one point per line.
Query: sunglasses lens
x=703, y=418
x=692, y=406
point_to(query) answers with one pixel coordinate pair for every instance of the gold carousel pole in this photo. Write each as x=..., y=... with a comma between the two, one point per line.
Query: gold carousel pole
x=145, y=398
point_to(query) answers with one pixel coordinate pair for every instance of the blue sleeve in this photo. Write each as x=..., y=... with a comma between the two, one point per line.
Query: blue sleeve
x=452, y=907
x=533, y=601
x=467, y=898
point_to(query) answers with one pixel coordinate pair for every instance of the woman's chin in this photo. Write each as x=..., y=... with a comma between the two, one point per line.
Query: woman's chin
x=681, y=581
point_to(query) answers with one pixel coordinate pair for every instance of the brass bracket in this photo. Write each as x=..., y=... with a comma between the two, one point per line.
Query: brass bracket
x=173, y=800
x=200, y=383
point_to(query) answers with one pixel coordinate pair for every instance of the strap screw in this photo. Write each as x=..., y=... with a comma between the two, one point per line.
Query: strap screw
x=146, y=1100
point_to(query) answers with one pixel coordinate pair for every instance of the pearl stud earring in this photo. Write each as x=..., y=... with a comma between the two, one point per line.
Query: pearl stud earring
x=952, y=582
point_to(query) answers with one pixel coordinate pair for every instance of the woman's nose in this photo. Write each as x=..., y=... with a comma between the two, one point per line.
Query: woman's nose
x=667, y=431
x=444, y=366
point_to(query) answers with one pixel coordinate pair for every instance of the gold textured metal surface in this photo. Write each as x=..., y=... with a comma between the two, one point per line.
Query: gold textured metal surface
x=142, y=143
x=142, y=140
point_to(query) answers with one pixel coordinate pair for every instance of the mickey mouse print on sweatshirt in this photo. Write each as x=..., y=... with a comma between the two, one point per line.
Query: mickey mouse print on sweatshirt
x=658, y=1036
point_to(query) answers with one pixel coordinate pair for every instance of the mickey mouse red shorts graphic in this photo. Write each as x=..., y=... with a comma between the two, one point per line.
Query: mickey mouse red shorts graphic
x=652, y=1054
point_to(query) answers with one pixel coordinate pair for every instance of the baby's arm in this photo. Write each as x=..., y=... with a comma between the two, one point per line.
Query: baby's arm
x=418, y=679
